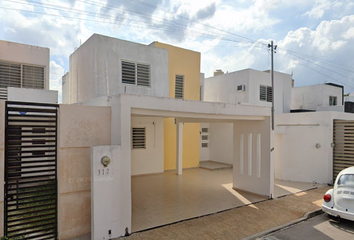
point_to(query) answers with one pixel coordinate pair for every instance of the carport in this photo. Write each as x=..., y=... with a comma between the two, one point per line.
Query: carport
x=252, y=174
x=253, y=168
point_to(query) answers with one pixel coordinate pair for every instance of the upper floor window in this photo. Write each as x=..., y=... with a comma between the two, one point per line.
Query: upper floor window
x=332, y=101
x=179, y=86
x=265, y=93
x=21, y=75
x=136, y=73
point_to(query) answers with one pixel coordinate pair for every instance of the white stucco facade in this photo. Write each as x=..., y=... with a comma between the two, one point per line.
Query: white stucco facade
x=317, y=97
x=12, y=52
x=223, y=88
x=96, y=69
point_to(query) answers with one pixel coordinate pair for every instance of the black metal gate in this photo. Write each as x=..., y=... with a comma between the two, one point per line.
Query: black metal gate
x=30, y=209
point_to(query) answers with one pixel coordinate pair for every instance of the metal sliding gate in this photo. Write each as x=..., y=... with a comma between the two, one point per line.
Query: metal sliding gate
x=343, y=151
x=30, y=209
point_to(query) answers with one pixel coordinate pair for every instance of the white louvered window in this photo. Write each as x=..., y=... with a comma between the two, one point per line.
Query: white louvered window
x=179, y=86
x=33, y=77
x=332, y=101
x=135, y=73
x=138, y=138
x=201, y=93
x=265, y=93
x=21, y=75
x=10, y=75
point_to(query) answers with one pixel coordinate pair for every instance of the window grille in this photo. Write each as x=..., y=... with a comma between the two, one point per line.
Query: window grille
x=332, y=101
x=265, y=93
x=135, y=73
x=10, y=75
x=205, y=145
x=205, y=130
x=33, y=77
x=201, y=93
x=139, y=138
x=20, y=75
x=179, y=86
x=143, y=75
x=269, y=94
x=204, y=137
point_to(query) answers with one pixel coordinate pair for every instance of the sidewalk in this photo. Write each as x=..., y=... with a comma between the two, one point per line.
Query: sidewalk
x=240, y=222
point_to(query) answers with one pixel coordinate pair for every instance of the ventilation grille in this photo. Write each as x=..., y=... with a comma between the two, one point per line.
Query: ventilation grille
x=138, y=138
x=179, y=86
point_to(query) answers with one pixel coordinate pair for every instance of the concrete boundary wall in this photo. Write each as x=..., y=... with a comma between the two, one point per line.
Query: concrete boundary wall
x=80, y=127
x=303, y=150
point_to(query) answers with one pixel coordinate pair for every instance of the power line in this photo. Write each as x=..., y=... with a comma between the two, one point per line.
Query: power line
x=319, y=72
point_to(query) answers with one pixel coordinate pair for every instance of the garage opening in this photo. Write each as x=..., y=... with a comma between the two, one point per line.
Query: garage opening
x=160, y=195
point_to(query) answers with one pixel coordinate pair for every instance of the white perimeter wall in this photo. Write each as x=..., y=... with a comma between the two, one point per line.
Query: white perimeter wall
x=221, y=142
x=96, y=66
x=149, y=160
x=26, y=54
x=32, y=95
x=315, y=96
x=296, y=156
x=253, y=168
x=223, y=88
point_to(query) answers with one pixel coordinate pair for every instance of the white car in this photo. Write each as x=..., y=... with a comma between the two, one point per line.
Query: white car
x=339, y=201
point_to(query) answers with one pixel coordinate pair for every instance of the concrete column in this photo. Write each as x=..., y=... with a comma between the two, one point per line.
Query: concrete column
x=179, y=147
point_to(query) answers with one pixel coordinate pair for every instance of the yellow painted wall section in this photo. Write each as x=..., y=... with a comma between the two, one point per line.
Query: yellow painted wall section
x=187, y=63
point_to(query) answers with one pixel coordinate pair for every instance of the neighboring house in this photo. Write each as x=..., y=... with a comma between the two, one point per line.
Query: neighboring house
x=243, y=87
x=320, y=97
x=24, y=73
x=250, y=86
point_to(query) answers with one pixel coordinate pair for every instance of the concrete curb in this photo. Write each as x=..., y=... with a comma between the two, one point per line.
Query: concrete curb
x=306, y=216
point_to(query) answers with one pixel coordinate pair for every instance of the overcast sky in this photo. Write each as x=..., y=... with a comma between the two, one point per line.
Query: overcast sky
x=315, y=38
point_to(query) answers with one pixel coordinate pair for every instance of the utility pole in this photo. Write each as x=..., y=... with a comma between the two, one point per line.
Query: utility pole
x=272, y=50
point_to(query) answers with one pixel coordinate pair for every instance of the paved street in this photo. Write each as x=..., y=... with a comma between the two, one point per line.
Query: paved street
x=318, y=228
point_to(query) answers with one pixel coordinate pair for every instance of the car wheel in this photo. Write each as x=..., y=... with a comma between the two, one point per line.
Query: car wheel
x=335, y=218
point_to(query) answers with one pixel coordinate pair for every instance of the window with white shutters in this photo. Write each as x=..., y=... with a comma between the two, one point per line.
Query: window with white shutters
x=332, y=101
x=20, y=75
x=269, y=94
x=201, y=93
x=32, y=77
x=179, y=86
x=135, y=73
x=138, y=138
x=10, y=75
x=265, y=93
